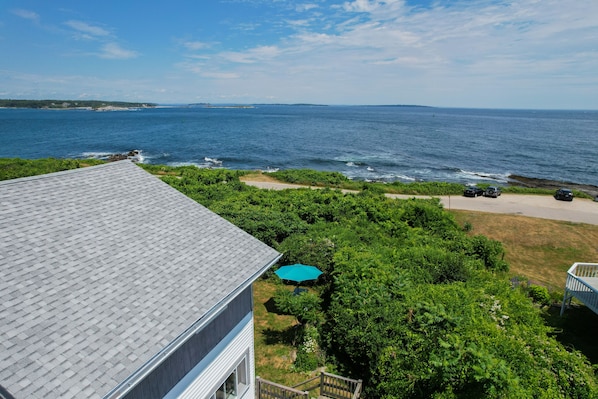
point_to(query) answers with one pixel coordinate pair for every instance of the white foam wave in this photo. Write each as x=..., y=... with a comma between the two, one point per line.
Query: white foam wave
x=375, y=176
x=270, y=170
x=405, y=177
x=213, y=161
x=96, y=154
x=177, y=164
x=498, y=177
x=136, y=156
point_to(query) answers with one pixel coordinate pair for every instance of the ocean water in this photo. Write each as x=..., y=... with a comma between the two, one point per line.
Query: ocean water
x=366, y=143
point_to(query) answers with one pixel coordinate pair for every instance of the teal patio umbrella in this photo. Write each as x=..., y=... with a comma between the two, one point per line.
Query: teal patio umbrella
x=298, y=273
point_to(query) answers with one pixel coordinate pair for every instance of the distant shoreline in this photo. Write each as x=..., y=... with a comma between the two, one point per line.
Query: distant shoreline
x=84, y=105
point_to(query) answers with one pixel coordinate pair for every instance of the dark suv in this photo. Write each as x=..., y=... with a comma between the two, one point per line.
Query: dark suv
x=564, y=194
x=492, y=191
x=472, y=191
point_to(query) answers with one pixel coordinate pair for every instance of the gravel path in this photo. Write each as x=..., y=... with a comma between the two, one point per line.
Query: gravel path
x=538, y=206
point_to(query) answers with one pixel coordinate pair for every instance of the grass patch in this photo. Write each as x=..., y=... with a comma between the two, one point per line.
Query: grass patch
x=275, y=336
x=541, y=250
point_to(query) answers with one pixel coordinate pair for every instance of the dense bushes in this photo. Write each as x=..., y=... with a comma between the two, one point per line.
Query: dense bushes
x=410, y=303
x=11, y=168
x=311, y=177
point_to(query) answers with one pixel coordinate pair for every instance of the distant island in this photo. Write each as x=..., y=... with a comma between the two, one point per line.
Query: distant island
x=94, y=105
x=208, y=105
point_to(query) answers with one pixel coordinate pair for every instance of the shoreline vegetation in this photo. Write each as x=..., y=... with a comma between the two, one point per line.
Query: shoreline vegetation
x=516, y=184
x=86, y=105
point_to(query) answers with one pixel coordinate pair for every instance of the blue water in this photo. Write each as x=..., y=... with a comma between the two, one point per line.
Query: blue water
x=370, y=143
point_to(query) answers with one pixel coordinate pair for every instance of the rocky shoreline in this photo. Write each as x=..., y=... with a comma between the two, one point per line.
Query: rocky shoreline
x=513, y=180
x=516, y=180
x=133, y=155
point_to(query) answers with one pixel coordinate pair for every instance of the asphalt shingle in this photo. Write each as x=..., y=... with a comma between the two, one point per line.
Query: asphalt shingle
x=100, y=267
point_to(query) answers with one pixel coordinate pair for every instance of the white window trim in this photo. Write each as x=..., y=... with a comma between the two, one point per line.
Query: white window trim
x=240, y=392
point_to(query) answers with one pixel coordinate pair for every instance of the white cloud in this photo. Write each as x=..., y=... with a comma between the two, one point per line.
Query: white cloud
x=392, y=51
x=364, y=5
x=298, y=22
x=195, y=45
x=305, y=7
x=220, y=75
x=254, y=55
x=86, y=30
x=26, y=14
x=114, y=51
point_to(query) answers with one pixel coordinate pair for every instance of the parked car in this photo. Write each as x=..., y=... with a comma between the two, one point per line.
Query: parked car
x=492, y=191
x=473, y=191
x=564, y=194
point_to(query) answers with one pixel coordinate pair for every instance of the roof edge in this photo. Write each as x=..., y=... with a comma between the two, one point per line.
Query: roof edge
x=137, y=376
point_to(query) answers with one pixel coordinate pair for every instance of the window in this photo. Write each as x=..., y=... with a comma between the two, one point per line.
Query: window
x=235, y=384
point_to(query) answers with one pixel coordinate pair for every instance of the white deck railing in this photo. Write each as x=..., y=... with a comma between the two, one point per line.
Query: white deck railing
x=582, y=283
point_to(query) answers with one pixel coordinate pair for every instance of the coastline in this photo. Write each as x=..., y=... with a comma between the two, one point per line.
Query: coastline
x=532, y=182
x=513, y=180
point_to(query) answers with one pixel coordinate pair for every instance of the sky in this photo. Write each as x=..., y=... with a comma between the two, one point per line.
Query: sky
x=530, y=54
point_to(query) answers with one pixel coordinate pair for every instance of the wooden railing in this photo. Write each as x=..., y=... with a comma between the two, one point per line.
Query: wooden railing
x=582, y=283
x=270, y=390
x=324, y=385
x=337, y=387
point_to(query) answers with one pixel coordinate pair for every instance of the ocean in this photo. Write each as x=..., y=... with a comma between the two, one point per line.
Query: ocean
x=381, y=143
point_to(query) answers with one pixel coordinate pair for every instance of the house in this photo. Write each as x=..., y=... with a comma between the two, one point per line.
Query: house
x=582, y=284
x=115, y=285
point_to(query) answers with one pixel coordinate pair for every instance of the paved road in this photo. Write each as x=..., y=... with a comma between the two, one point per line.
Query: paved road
x=539, y=206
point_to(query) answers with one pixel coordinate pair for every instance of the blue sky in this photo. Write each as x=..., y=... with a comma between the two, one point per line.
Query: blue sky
x=460, y=53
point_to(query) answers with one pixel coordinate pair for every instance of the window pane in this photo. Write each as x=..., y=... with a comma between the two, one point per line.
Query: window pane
x=242, y=372
x=220, y=393
x=231, y=385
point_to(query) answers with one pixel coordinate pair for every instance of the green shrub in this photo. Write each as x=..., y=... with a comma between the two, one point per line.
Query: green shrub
x=490, y=252
x=308, y=250
x=467, y=227
x=304, y=305
x=539, y=295
x=309, y=355
x=311, y=177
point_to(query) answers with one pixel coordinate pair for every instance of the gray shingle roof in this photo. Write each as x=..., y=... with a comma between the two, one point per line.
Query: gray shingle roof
x=102, y=267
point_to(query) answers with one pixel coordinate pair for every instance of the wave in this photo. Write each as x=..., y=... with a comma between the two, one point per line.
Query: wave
x=187, y=163
x=373, y=168
x=495, y=177
x=270, y=170
x=213, y=161
x=95, y=154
